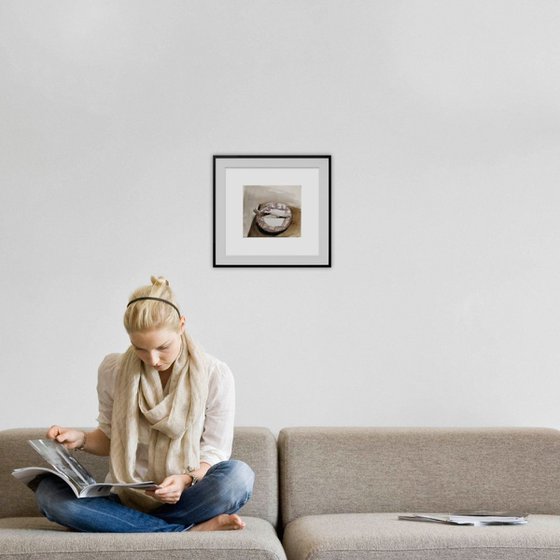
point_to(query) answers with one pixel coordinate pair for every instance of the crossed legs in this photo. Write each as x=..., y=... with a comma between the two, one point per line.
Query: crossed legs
x=209, y=505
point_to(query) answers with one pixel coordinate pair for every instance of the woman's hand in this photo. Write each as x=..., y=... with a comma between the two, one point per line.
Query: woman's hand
x=70, y=438
x=171, y=488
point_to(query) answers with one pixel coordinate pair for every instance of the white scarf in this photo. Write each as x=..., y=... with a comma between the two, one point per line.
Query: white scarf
x=174, y=419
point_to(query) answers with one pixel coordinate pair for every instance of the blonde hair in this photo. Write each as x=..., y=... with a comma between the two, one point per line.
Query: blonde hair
x=149, y=314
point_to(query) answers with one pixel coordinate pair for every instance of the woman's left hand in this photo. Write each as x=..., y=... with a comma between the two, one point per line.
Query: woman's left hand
x=170, y=490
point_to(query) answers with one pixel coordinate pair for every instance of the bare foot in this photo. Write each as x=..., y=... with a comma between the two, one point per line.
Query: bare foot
x=222, y=522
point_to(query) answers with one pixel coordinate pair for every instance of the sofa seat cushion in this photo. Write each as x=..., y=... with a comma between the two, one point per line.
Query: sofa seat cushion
x=35, y=538
x=382, y=536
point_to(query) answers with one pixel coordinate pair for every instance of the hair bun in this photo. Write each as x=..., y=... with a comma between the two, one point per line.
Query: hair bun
x=159, y=281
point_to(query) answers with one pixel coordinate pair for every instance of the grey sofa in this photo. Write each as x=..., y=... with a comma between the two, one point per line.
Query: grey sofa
x=342, y=489
x=25, y=535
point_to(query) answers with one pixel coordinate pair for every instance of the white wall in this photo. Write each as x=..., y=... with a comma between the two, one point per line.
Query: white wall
x=443, y=120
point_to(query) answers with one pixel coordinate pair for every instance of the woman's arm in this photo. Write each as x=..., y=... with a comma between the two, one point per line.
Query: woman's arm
x=95, y=442
x=217, y=436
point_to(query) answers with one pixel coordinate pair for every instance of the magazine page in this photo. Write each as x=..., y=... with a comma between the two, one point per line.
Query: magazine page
x=28, y=474
x=428, y=518
x=69, y=469
x=488, y=518
x=63, y=462
x=104, y=488
x=476, y=519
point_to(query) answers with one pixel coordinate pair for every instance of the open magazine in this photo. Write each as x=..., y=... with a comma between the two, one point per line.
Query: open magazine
x=68, y=468
x=477, y=518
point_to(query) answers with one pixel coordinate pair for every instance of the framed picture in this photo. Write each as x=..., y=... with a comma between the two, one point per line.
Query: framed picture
x=272, y=211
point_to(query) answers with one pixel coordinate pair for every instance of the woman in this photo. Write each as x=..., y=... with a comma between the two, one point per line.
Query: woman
x=166, y=414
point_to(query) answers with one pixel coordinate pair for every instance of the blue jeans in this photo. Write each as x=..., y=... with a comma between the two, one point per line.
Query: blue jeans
x=225, y=488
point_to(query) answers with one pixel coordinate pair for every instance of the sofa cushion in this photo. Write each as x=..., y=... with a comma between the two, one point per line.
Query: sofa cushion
x=361, y=470
x=382, y=536
x=38, y=539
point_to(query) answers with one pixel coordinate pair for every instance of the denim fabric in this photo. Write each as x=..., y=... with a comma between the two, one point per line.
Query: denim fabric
x=225, y=488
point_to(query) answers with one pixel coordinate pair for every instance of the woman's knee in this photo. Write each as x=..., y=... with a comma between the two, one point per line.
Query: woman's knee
x=235, y=471
x=54, y=498
x=46, y=490
x=239, y=479
x=243, y=475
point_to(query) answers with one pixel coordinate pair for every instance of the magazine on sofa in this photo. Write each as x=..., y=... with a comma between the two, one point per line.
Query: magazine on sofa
x=68, y=468
x=476, y=518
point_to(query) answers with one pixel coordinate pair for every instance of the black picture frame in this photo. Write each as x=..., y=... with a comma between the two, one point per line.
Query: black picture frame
x=272, y=211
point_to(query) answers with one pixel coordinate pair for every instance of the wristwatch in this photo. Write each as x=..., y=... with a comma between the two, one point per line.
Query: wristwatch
x=195, y=479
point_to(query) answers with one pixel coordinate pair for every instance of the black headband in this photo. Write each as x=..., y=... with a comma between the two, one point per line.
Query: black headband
x=155, y=299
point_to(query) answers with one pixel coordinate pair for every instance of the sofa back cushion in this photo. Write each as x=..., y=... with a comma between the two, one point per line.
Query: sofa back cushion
x=360, y=470
x=255, y=446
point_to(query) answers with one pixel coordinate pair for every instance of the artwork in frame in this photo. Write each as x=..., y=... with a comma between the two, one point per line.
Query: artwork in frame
x=272, y=210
